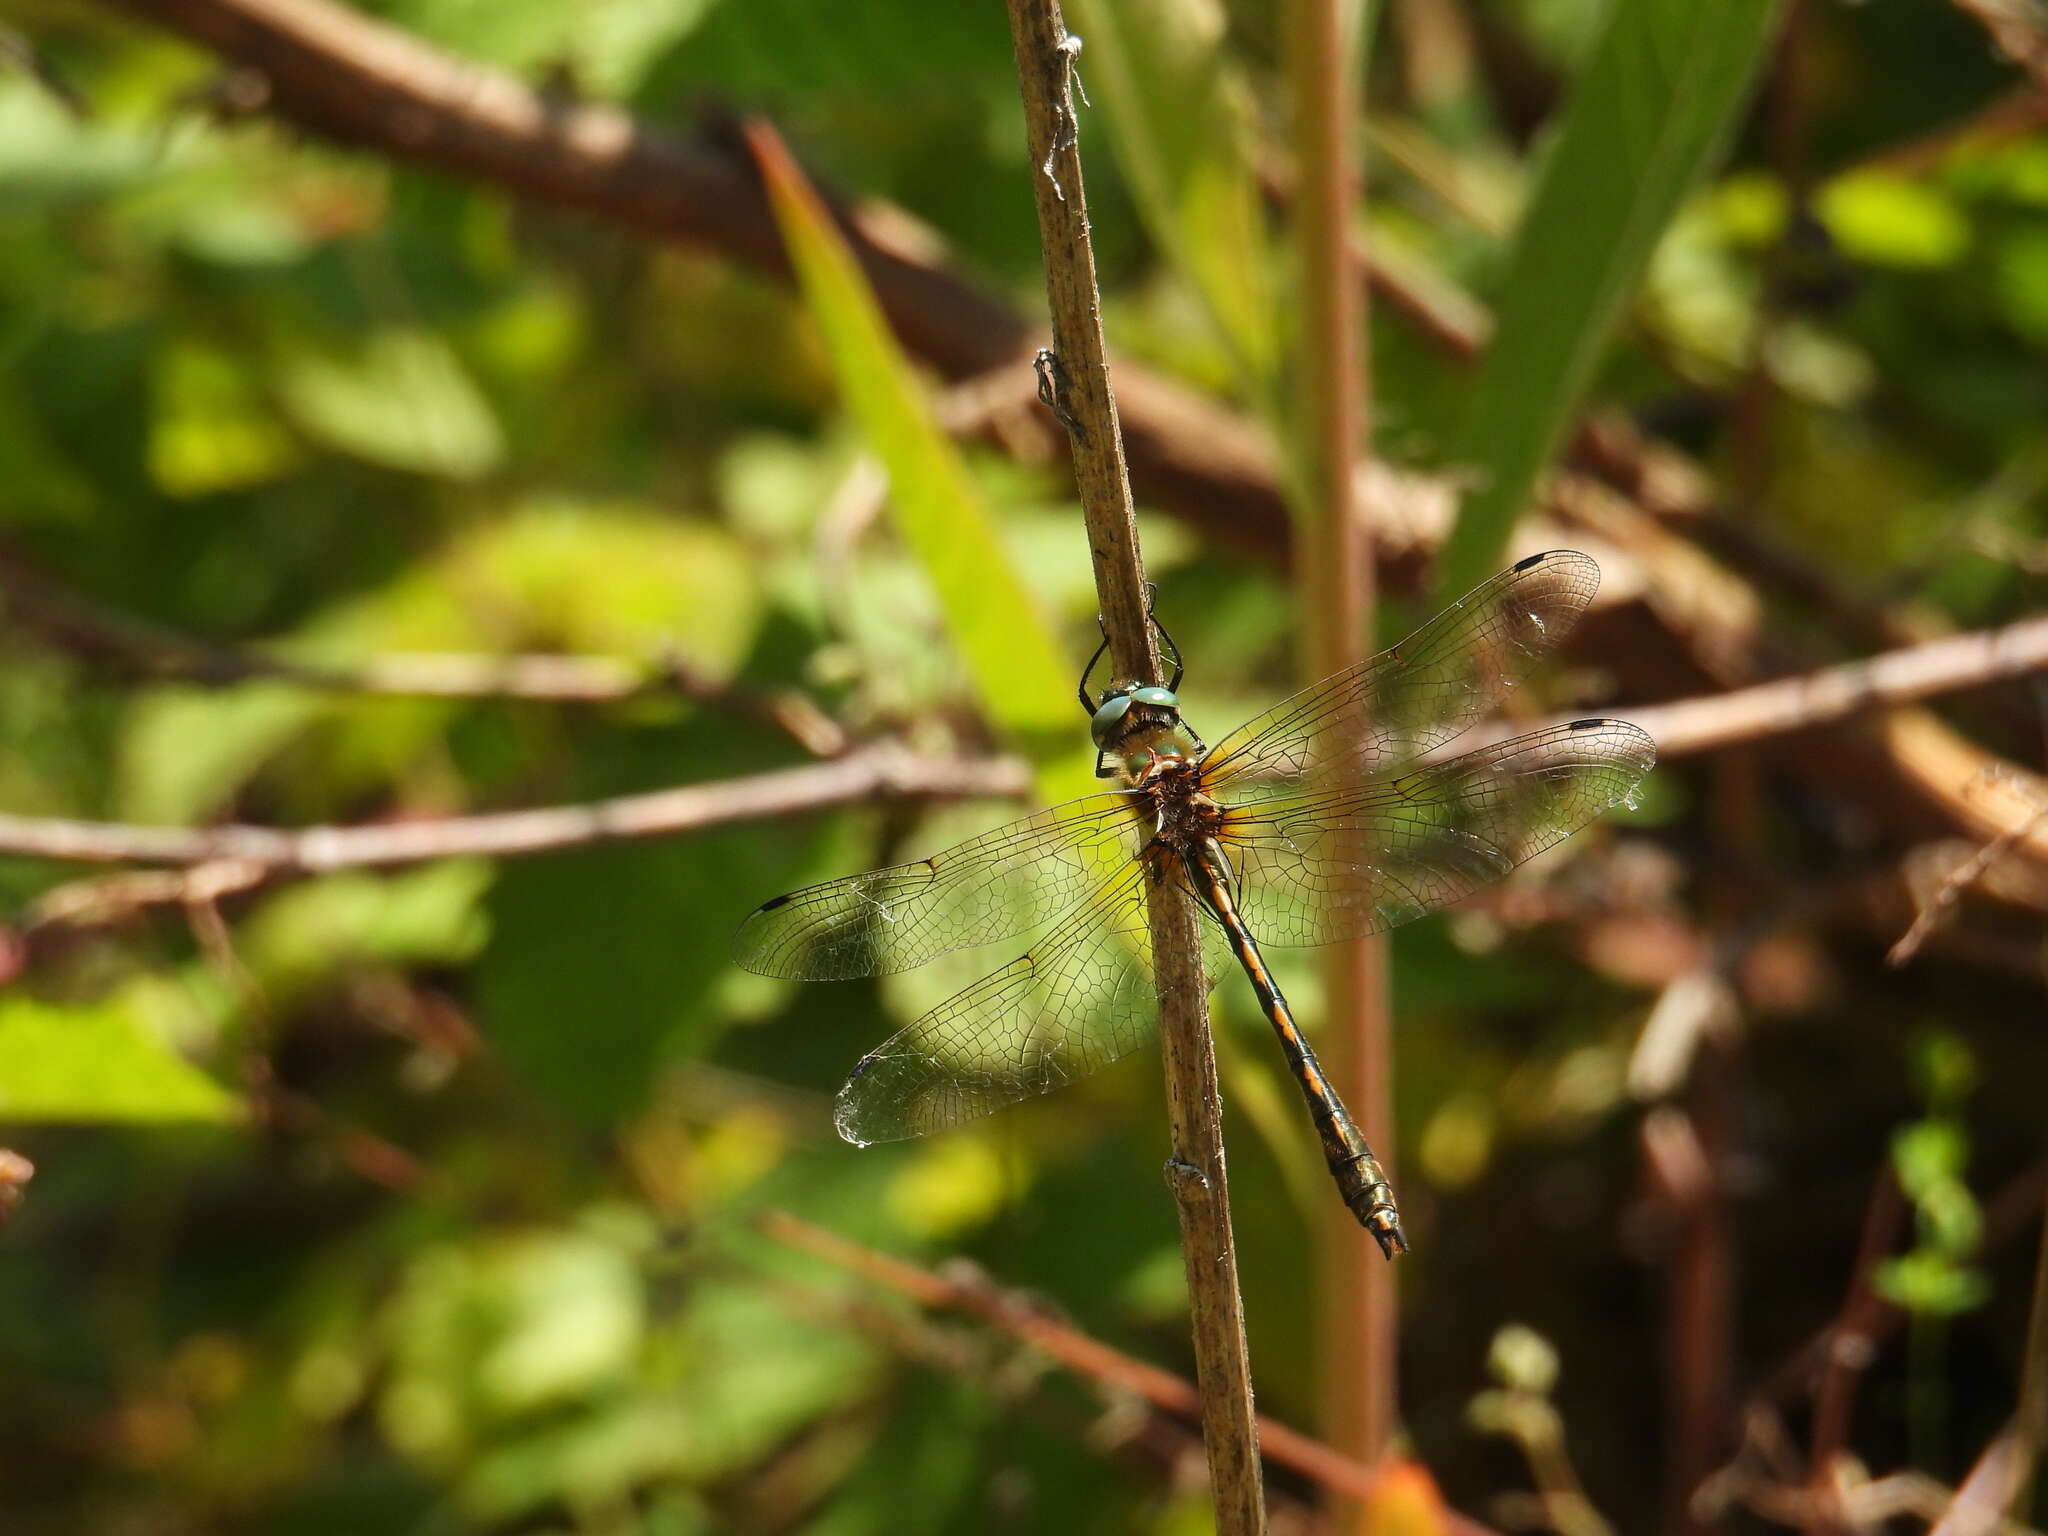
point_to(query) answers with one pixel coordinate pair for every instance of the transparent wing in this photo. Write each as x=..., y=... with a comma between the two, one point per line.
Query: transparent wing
x=1412, y=698
x=1319, y=867
x=1081, y=998
x=994, y=886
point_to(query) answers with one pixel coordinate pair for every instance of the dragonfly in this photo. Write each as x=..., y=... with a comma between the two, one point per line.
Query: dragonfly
x=1336, y=813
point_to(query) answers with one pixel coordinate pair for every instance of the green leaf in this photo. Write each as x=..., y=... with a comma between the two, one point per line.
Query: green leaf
x=49, y=162
x=402, y=399
x=1928, y=1283
x=307, y=934
x=1014, y=662
x=188, y=751
x=601, y=962
x=210, y=430
x=94, y=1063
x=901, y=51
x=1662, y=91
x=1179, y=114
x=1889, y=221
x=1928, y=1153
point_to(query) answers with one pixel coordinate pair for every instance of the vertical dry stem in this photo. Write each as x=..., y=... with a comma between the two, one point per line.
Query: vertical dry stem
x=1357, y=1296
x=1078, y=383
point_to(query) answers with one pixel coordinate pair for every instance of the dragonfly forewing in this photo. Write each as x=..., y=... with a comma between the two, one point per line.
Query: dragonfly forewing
x=1319, y=867
x=995, y=886
x=1081, y=998
x=1413, y=697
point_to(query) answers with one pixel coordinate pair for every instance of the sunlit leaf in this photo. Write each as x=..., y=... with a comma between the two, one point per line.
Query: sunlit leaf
x=49, y=161
x=323, y=928
x=1659, y=96
x=401, y=399
x=97, y=1062
x=1928, y=1282
x=210, y=430
x=1892, y=221
x=955, y=1183
x=188, y=751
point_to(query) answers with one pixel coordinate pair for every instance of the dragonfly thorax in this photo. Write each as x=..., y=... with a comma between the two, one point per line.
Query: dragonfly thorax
x=1182, y=814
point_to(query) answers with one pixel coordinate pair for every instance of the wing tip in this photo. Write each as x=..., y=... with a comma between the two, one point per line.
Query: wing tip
x=1625, y=731
x=750, y=951
x=1559, y=556
x=858, y=1124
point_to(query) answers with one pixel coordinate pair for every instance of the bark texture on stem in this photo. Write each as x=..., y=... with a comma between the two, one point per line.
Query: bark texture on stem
x=1076, y=382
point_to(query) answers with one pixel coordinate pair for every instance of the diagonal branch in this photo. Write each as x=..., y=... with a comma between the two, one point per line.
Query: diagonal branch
x=1082, y=1354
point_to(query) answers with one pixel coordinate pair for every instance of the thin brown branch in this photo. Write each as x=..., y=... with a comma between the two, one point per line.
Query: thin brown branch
x=873, y=773
x=1690, y=726
x=1935, y=909
x=1074, y=379
x=1834, y=694
x=1978, y=1505
x=1076, y=1351
x=1849, y=1354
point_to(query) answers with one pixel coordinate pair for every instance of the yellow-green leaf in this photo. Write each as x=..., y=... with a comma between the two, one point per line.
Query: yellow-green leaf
x=98, y=1062
x=1024, y=683
x=401, y=399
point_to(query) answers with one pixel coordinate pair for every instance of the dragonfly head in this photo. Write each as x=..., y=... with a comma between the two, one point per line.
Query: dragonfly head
x=1139, y=724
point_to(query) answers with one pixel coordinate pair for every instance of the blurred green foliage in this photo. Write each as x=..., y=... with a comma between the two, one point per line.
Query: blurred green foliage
x=424, y=1200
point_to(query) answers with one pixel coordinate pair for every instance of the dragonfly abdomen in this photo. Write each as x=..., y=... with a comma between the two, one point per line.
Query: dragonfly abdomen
x=1360, y=1178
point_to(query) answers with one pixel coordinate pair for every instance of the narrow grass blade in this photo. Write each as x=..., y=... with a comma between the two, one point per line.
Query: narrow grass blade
x=1665, y=86
x=1024, y=684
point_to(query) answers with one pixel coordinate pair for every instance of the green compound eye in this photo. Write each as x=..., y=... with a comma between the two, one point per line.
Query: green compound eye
x=1163, y=697
x=1113, y=710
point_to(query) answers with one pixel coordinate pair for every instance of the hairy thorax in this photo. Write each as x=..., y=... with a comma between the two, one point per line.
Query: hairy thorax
x=1183, y=817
